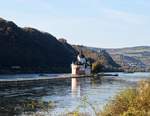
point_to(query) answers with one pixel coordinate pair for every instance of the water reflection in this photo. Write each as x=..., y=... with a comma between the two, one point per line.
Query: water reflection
x=95, y=81
x=75, y=87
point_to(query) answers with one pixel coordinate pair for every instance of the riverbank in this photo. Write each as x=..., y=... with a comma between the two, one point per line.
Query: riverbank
x=133, y=102
x=40, y=79
x=128, y=102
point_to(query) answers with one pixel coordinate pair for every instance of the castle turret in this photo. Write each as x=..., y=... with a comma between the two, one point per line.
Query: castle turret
x=81, y=58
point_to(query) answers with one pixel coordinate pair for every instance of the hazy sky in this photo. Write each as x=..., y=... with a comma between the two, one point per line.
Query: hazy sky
x=97, y=23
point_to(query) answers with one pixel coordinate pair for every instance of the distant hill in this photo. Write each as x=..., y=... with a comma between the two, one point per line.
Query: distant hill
x=28, y=50
x=140, y=54
x=131, y=58
x=135, y=56
x=100, y=55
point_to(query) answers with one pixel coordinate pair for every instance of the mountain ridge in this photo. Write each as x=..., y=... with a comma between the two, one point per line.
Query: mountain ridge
x=31, y=50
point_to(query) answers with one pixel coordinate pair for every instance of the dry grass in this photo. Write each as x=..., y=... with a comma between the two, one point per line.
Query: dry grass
x=131, y=102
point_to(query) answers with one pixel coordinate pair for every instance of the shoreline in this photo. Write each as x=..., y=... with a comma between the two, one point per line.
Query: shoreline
x=38, y=79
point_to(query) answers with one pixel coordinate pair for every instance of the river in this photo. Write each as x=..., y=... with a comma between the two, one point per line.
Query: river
x=65, y=95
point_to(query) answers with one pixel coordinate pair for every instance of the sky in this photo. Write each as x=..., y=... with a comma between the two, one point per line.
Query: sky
x=95, y=23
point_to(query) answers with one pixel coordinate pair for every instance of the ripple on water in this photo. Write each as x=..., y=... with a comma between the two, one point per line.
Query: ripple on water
x=67, y=94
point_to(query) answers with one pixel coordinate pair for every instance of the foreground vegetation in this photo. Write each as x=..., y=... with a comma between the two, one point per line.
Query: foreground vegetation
x=27, y=107
x=130, y=102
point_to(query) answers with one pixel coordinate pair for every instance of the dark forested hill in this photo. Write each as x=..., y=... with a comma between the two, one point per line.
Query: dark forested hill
x=28, y=49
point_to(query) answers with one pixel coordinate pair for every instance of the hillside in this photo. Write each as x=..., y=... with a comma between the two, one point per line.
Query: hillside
x=135, y=56
x=131, y=58
x=29, y=50
x=102, y=56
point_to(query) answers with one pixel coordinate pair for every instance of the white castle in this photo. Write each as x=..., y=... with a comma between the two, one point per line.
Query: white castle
x=81, y=66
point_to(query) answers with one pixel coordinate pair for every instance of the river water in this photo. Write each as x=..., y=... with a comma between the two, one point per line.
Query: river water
x=65, y=95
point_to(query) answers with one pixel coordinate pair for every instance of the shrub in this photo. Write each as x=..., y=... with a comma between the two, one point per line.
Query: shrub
x=97, y=67
x=131, y=102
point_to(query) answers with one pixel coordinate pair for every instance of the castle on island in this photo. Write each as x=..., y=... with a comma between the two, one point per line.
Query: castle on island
x=81, y=66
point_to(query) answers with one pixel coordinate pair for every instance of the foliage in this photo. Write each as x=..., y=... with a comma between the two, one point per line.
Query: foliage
x=97, y=67
x=131, y=102
x=24, y=106
x=84, y=104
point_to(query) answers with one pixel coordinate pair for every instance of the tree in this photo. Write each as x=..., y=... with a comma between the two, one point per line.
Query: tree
x=97, y=67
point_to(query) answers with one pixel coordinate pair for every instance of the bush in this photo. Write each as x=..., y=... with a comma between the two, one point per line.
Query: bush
x=131, y=102
x=97, y=67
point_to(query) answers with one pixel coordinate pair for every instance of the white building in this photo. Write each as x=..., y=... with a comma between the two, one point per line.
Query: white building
x=81, y=67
